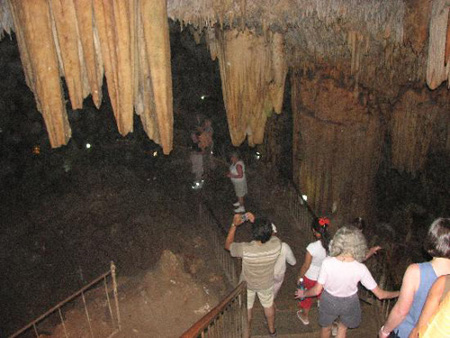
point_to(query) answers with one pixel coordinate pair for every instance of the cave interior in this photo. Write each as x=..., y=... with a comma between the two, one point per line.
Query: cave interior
x=348, y=100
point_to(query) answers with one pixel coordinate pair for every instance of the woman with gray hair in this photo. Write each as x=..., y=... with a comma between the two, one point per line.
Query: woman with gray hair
x=339, y=277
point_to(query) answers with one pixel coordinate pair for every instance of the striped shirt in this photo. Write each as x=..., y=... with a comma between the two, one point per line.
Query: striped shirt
x=258, y=262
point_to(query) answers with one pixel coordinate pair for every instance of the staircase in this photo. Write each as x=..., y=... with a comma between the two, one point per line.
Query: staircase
x=290, y=214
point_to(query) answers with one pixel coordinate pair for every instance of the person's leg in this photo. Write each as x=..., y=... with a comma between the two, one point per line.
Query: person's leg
x=269, y=312
x=266, y=300
x=249, y=321
x=342, y=330
x=241, y=201
x=251, y=295
x=325, y=332
x=305, y=305
x=277, y=282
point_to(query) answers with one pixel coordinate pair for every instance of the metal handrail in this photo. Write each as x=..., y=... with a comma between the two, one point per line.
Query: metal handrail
x=239, y=295
x=300, y=195
x=80, y=292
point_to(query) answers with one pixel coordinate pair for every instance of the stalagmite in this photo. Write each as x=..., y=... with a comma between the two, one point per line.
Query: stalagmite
x=43, y=71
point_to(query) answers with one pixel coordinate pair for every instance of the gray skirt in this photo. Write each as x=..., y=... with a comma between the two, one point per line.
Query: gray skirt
x=347, y=309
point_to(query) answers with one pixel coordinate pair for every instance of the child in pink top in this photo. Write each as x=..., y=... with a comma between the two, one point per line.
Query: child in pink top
x=339, y=277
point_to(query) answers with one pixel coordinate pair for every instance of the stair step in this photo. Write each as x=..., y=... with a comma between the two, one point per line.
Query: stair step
x=293, y=335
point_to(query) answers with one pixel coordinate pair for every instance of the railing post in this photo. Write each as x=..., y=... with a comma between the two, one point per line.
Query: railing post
x=116, y=295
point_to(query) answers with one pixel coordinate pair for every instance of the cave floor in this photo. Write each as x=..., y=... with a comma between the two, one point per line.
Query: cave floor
x=64, y=220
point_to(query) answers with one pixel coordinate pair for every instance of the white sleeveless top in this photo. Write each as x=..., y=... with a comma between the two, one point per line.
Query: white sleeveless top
x=234, y=171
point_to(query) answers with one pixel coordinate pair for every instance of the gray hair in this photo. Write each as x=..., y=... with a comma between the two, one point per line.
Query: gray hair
x=349, y=240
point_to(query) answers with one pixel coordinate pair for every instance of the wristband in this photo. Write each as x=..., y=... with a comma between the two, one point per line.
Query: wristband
x=233, y=225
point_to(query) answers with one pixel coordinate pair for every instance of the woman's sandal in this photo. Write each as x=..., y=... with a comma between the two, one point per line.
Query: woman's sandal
x=304, y=321
x=274, y=334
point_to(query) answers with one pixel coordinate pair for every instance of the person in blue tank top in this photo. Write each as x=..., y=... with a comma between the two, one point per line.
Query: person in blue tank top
x=418, y=280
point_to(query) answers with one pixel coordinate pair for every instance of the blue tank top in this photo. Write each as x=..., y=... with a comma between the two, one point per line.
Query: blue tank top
x=427, y=278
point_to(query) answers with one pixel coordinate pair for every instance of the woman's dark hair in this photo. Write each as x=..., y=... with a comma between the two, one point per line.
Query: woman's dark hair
x=359, y=223
x=437, y=243
x=261, y=229
x=320, y=225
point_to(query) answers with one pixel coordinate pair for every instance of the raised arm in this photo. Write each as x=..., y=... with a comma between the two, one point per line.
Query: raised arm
x=237, y=220
x=398, y=313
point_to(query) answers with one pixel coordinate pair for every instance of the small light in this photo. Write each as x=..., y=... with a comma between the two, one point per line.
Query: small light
x=88, y=145
x=36, y=150
x=155, y=153
x=257, y=155
x=305, y=198
x=203, y=97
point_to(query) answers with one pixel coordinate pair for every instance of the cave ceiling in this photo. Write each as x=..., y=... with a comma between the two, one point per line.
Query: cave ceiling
x=380, y=45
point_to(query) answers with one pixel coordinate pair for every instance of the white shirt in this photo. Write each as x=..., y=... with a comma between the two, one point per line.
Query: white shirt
x=233, y=171
x=286, y=255
x=318, y=254
x=340, y=279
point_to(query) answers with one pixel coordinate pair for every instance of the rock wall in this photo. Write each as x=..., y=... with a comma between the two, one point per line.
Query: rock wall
x=337, y=142
x=342, y=135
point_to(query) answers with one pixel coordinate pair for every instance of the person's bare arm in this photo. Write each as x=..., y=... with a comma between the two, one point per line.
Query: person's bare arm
x=372, y=251
x=237, y=220
x=409, y=287
x=431, y=305
x=240, y=172
x=383, y=294
x=314, y=291
x=306, y=264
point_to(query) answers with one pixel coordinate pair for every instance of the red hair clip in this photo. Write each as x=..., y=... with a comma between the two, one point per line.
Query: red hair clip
x=324, y=221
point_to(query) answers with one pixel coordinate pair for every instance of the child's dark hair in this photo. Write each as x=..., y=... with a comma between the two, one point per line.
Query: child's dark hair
x=320, y=226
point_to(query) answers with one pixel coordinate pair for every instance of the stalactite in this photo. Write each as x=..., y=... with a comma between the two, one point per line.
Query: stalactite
x=372, y=15
x=253, y=71
x=81, y=40
x=74, y=71
x=42, y=66
x=91, y=48
x=436, y=70
x=113, y=21
x=156, y=32
x=6, y=18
